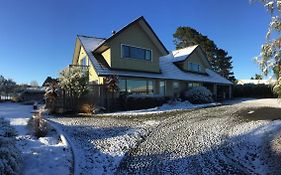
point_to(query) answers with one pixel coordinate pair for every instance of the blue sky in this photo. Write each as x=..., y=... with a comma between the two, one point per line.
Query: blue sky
x=37, y=37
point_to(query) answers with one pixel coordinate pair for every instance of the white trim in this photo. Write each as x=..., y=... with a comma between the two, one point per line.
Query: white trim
x=121, y=56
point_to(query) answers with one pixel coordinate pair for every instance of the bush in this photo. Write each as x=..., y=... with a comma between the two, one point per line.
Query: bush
x=38, y=127
x=253, y=90
x=10, y=156
x=135, y=101
x=199, y=95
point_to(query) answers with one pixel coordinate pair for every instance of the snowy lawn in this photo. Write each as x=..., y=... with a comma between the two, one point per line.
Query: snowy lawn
x=46, y=155
x=165, y=108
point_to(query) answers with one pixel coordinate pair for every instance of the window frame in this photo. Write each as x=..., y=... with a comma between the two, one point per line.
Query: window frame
x=145, y=52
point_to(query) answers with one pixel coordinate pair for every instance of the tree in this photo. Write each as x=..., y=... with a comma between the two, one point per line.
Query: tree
x=7, y=86
x=257, y=77
x=34, y=83
x=74, y=80
x=270, y=57
x=219, y=59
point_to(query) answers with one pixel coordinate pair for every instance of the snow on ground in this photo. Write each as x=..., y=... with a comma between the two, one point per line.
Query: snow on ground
x=209, y=141
x=167, y=107
x=99, y=144
x=46, y=155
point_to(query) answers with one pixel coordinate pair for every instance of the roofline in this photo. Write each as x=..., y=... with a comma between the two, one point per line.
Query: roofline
x=188, y=54
x=127, y=26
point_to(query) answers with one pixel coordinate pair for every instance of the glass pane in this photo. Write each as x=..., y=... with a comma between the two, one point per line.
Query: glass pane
x=136, y=86
x=150, y=87
x=162, y=88
x=122, y=85
x=137, y=53
x=148, y=55
x=125, y=51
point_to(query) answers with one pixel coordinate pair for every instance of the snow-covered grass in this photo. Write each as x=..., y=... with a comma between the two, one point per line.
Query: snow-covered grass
x=167, y=107
x=10, y=156
x=99, y=144
x=46, y=155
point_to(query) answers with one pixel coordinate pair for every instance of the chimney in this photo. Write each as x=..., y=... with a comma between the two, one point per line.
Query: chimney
x=113, y=32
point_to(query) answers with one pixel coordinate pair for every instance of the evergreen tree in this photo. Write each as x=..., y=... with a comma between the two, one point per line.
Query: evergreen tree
x=218, y=58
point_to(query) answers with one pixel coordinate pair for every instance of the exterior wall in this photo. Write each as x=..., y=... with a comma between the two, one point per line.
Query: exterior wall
x=107, y=56
x=93, y=77
x=133, y=36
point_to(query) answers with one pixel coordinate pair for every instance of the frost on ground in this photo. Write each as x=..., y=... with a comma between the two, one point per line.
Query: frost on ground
x=209, y=141
x=167, y=107
x=100, y=144
x=46, y=155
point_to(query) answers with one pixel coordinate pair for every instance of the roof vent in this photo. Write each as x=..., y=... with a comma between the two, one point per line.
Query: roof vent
x=113, y=32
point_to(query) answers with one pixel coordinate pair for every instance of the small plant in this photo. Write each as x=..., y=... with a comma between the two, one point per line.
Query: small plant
x=10, y=156
x=199, y=95
x=86, y=108
x=38, y=126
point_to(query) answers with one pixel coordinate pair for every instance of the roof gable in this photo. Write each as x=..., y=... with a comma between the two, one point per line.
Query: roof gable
x=182, y=55
x=146, y=27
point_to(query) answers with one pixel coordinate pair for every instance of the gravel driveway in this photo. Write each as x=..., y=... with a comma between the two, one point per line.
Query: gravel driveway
x=210, y=141
x=216, y=140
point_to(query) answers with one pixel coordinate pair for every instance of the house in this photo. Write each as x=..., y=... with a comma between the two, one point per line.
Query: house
x=256, y=82
x=144, y=66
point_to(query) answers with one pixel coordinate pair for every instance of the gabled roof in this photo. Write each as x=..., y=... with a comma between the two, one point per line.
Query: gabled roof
x=182, y=54
x=129, y=25
x=167, y=67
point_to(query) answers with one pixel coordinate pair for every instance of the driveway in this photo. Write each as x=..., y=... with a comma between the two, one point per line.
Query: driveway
x=219, y=140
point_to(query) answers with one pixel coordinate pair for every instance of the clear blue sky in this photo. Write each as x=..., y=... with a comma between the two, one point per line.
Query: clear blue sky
x=37, y=37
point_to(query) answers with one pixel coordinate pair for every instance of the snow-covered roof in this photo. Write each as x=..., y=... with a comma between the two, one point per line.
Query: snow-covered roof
x=167, y=67
x=182, y=54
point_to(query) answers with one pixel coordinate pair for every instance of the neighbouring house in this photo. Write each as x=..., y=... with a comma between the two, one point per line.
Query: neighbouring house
x=49, y=80
x=144, y=66
x=256, y=82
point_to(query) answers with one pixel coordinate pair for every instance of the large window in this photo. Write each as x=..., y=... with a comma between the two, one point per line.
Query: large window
x=194, y=67
x=136, y=53
x=134, y=86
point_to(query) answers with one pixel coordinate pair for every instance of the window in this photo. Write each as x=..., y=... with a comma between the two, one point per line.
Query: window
x=136, y=86
x=190, y=85
x=194, y=67
x=83, y=61
x=136, y=53
x=132, y=86
x=162, y=88
x=122, y=85
x=149, y=87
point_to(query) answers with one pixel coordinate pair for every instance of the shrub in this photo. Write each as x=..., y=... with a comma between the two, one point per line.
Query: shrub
x=10, y=156
x=199, y=95
x=38, y=127
x=136, y=101
x=253, y=90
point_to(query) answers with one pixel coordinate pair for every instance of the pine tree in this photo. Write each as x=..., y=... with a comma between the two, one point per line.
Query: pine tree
x=219, y=59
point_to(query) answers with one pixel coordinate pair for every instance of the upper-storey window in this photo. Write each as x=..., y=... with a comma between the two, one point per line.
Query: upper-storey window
x=136, y=53
x=194, y=67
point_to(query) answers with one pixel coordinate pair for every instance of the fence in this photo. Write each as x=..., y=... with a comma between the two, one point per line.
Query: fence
x=96, y=97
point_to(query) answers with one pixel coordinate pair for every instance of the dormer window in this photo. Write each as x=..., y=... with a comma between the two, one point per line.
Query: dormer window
x=135, y=52
x=194, y=67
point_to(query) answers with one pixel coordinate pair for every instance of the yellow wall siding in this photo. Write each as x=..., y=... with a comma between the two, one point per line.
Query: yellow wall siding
x=93, y=77
x=107, y=56
x=134, y=36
